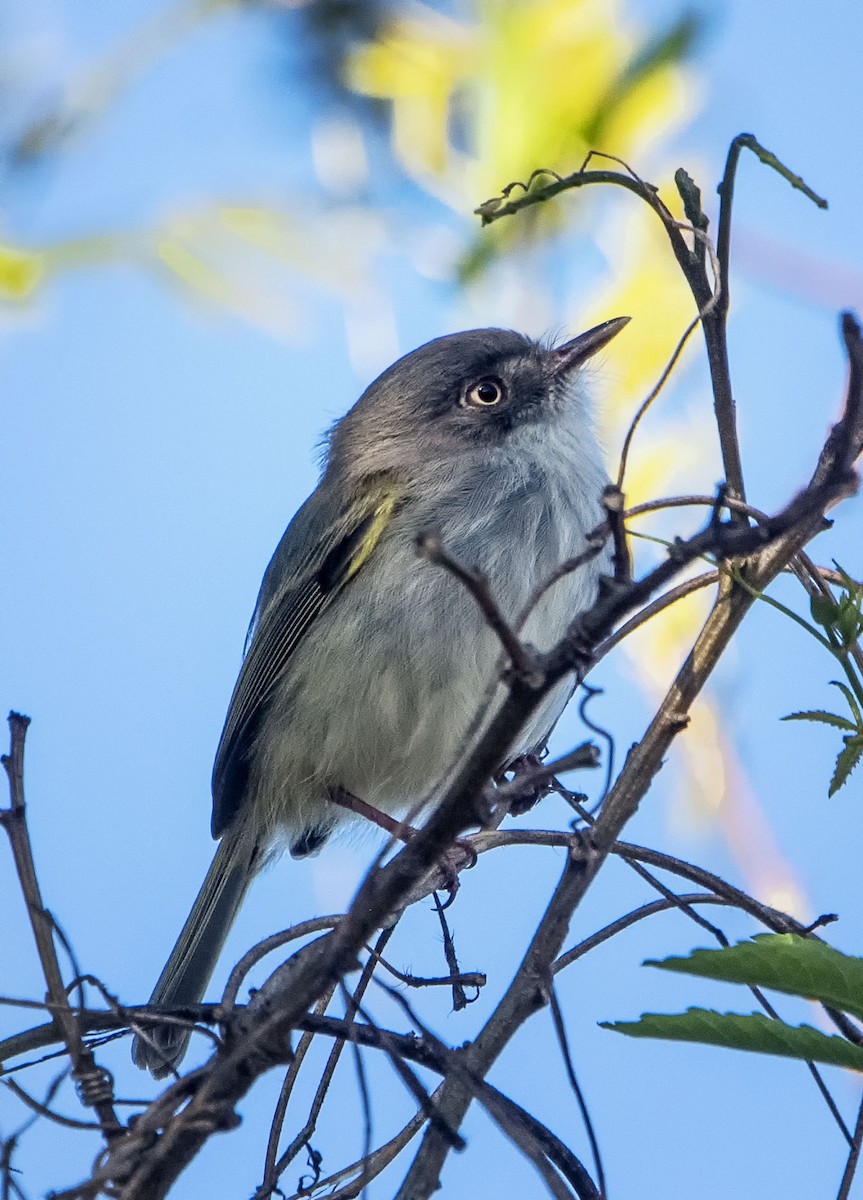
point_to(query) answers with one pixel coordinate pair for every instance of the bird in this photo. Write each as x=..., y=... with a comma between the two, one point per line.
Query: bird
x=366, y=665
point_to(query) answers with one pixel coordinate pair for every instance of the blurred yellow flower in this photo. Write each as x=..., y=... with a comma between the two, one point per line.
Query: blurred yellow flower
x=21, y=272
x=478, y=103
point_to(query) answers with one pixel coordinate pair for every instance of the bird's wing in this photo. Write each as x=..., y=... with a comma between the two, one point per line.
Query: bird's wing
x=318, y=555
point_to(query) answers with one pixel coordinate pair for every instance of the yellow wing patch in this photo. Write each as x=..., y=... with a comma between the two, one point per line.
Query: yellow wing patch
x=379, y=520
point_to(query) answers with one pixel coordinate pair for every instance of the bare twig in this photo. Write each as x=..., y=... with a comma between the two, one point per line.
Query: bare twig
x=746, y=141
x=708, y=579
x=596, y=540
x=271, y=1175
x=621, y=560
x=521, y=657
x=563, y=1042
x=475, y=979
x=853, y=1158
x=664, y=904
x=691, y=263
x=715, y=326
x=583, y=757
x=364, y=1170
x=92, y=1081
x=274, y=942
x=273, y=1169
x=700, y=238
x=43, y=1110
x=410, y=1079
x=730, y=502
x=523, y=1132
x=365, y=1096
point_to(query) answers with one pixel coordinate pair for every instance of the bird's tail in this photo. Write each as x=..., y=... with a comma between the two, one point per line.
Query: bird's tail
x=193, y=959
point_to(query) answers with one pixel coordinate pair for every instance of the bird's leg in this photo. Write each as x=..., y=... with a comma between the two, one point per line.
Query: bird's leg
x=459, y=856
x=345, y=799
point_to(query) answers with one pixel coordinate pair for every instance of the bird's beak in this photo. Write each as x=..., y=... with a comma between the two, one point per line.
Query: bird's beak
x=572, y=354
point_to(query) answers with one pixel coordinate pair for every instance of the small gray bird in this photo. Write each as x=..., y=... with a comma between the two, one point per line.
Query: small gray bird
x=367, y=667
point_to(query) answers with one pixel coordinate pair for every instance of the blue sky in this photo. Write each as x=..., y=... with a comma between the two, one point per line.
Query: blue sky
x=153, y=450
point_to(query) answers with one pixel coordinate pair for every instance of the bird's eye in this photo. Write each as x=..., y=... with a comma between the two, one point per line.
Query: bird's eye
x=485, y=393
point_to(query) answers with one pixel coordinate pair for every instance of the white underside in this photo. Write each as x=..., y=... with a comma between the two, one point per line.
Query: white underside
x=394, y=679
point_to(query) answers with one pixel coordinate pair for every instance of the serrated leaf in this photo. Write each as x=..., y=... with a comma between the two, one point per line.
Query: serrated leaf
x=785, y=962
x=845, y=763
x=739, y=1031
x=850, y=697
x=823, y=718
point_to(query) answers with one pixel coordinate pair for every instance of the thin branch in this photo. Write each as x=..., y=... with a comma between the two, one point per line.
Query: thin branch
x=853, y=1158
x=708, y=579
x=410, y=1079
x=700, y=237
x=664, y=904
x=730, y=502
x=504, y=205
x=475, y=979
x=271, y=1175
x=621, y=560
x=43, y=1110
x=273, y=1170
x=93, y=1081
x=363, y=1171
x=508, y=1116
x=521, y=657
x=557, y=1153
x=459, y=996
x=715, y=327
x=747, y=141
x=97, y=1021
x=583, y=757
x=274, y=942
x=365, y=1095
x=596, y=539
x=563, y=1042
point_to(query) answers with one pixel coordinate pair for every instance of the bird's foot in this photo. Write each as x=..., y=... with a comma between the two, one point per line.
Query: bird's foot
x=523, y=767
x=460, y=856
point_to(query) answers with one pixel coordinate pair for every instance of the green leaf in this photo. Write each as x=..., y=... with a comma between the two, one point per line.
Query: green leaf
x=824, y=611
x=824, y=718
x=795, y=965
x=845, y=763
x=848, y=622
x=852, y=587
x=849, y=696
x=739, y=1031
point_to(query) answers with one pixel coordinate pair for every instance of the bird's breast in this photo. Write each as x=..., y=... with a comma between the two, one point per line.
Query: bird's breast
x=393, y=679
